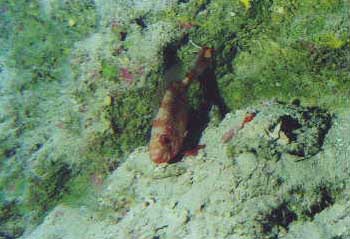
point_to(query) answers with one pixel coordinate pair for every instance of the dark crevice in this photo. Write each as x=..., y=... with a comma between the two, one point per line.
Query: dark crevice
x=58, y=180
x=123, y=35
x=325, y=201
x=172, y=64
x=261, y=10
x=325, y=124
x=281, y=216
x=141, y=22
x=170, y=52
x=199, y=118
x=7, y=210
x=6, y=235
x=306, y=130
x=211, y=92
x=288, y=125
x=228, y=52
x=10, y=152
x=9, y=213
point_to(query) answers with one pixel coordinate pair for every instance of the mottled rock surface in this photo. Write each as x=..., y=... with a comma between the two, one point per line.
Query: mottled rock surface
x=233, y=190
x=81, y=80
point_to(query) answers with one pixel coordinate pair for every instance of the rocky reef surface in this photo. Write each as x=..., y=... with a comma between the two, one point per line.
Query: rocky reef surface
x=80, y=82
x=257, y=185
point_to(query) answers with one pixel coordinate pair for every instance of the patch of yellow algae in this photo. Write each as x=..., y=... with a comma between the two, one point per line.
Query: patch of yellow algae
x=333, y=41
x=246, y=3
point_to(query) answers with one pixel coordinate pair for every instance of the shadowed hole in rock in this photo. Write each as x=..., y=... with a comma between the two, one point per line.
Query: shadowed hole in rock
x=280, y=216
x=141, y=22
x=123, y=36
x=62, y=176
x=325, y=124
x=6, y=235
x=325, y=201
x=306, y=130
x=170, y=52
x=10, y=213
x=288, y=125
x=10, y=152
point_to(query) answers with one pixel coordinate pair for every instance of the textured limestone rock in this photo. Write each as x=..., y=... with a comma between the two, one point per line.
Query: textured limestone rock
x=248, y=194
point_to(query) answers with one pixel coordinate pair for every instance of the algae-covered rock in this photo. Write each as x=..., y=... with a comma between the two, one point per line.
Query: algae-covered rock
x=78, y=93
x=82, y=80
x=291, y=129
x=213, y=195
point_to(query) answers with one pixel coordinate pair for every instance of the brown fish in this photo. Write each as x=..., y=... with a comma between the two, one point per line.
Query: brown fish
x=170, y=124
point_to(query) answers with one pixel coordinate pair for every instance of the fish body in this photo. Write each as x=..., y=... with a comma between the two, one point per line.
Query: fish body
x=169, y=127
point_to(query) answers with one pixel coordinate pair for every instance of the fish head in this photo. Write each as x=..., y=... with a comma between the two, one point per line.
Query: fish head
x=164, y=148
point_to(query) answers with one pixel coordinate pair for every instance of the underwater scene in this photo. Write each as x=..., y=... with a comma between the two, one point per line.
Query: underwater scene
x=175, y=119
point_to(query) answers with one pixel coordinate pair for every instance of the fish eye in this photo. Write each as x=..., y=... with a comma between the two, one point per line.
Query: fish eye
x=164, y=139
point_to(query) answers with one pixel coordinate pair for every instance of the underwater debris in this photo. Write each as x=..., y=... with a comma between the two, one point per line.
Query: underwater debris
x=170, y=125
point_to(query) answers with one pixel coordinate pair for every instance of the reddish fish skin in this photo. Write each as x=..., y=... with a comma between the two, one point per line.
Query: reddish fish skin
x=170, y=124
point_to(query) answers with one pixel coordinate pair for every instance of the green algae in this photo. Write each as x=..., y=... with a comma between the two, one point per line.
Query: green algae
x=271, y=39
x=35, y=66
x=109, y=71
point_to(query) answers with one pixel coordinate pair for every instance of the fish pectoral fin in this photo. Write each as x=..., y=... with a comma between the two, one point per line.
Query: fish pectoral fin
x=185, y=133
